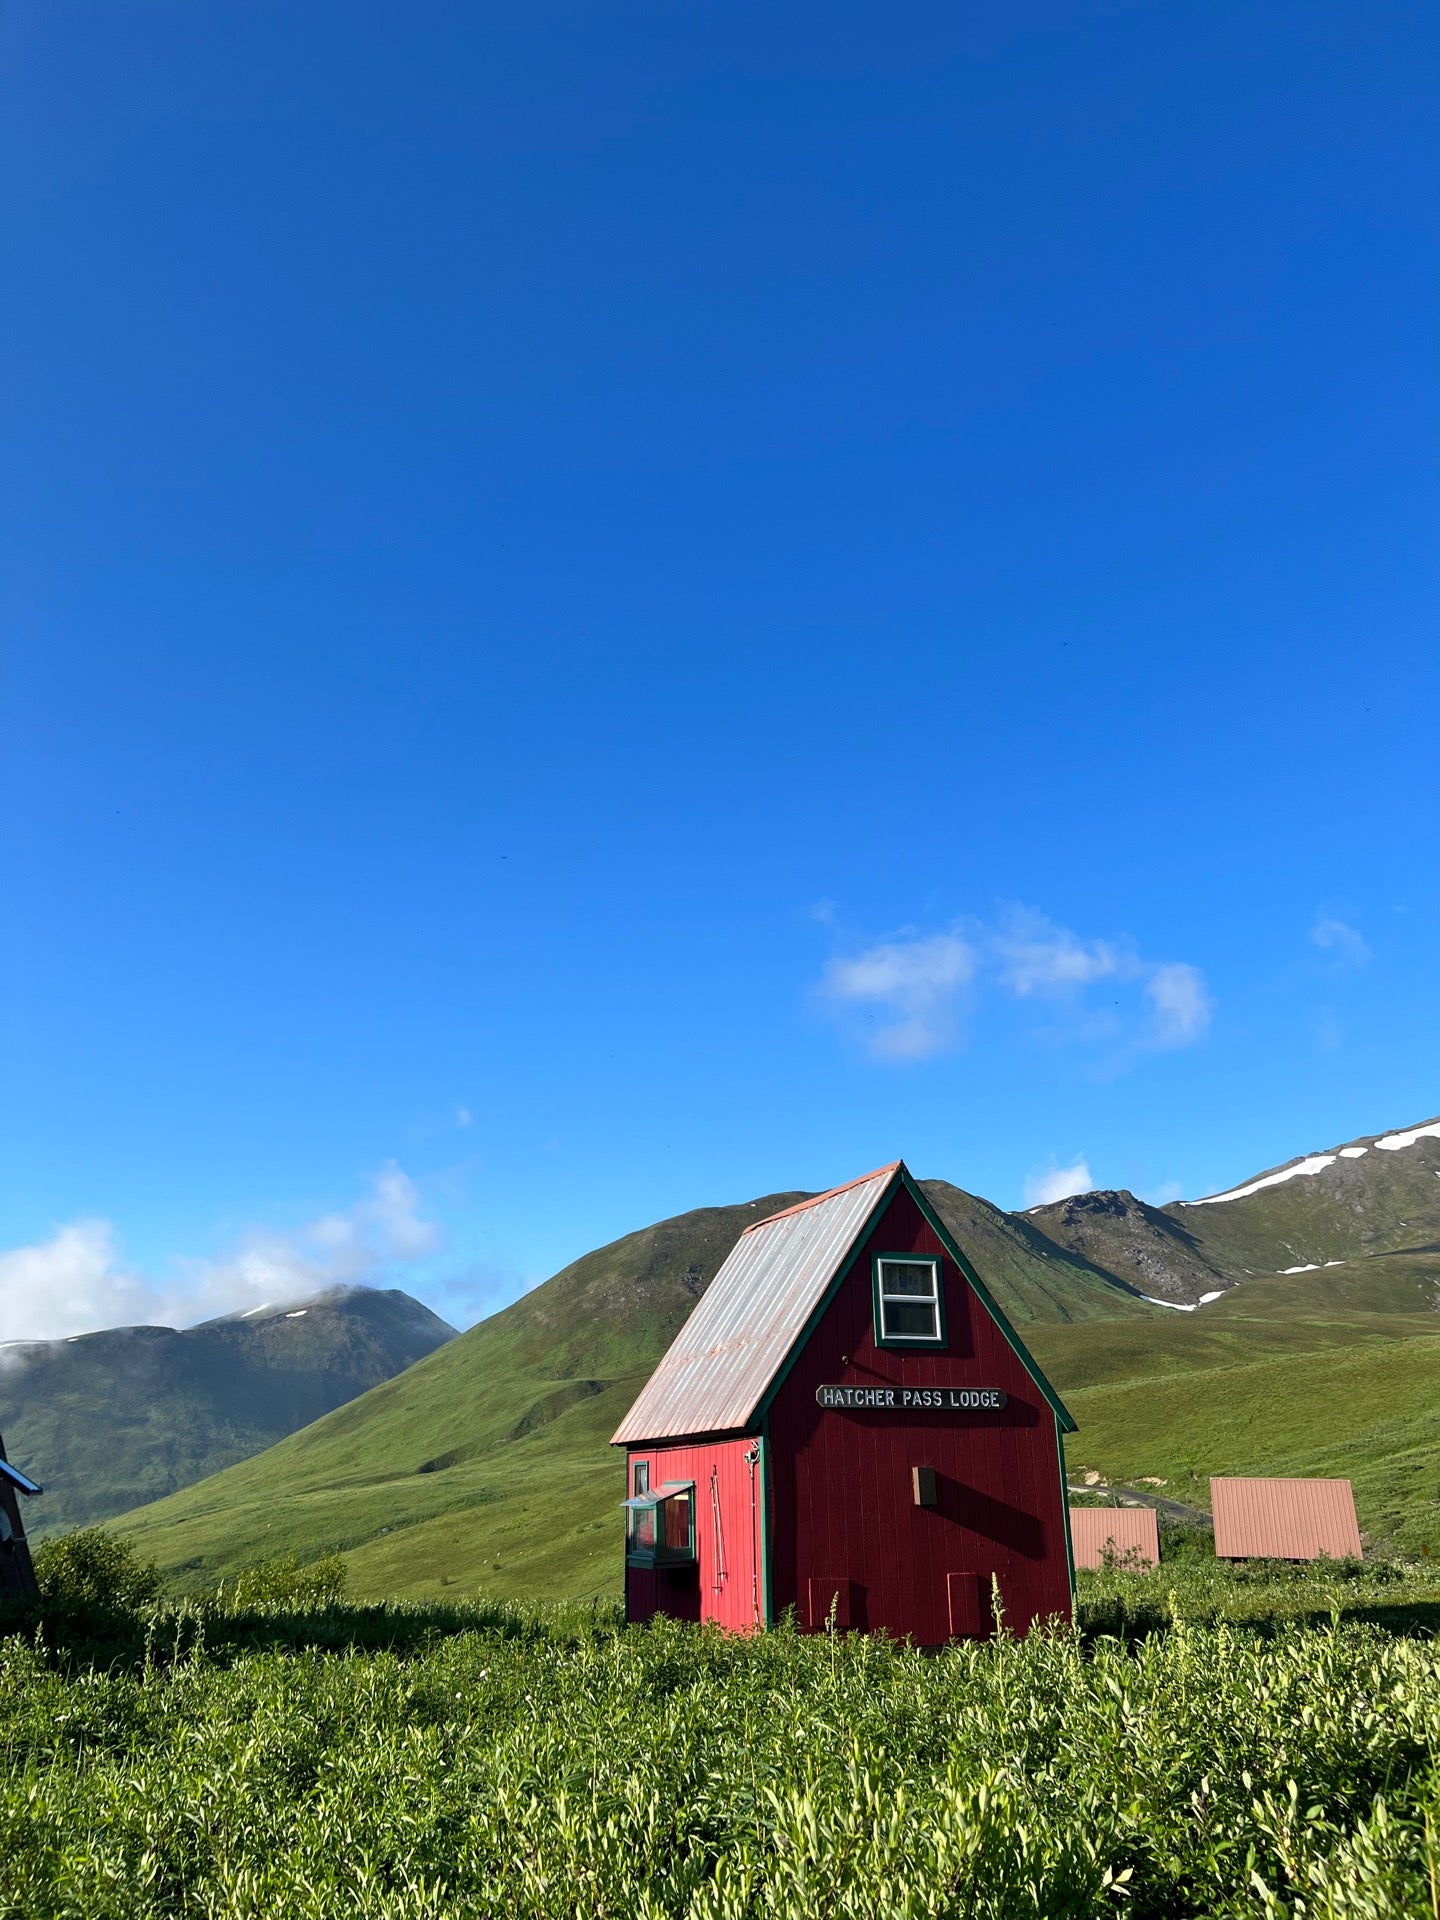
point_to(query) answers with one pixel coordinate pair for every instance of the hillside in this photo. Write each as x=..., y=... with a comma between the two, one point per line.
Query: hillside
x=486, y=1466
x=488, y=1462
x=109, y=1421
x=1336, y=1373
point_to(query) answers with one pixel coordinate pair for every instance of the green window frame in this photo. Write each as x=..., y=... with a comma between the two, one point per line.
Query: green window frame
x=898, y=1307
x=660, y=1526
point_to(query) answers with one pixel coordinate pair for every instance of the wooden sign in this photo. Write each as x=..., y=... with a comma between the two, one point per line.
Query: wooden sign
x=910, y=1399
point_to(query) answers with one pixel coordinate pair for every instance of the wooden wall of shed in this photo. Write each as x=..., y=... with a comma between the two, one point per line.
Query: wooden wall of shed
x=17, y=1575
x=725, y=1590
x=842, y=1492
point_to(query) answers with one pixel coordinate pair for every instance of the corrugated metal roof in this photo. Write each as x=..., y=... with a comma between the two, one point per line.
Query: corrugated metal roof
x=1092, y=1529
x=746, y=1322
x=1284, y=1519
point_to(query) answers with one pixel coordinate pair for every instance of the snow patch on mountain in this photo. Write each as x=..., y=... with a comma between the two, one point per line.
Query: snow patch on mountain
x=1316, y=1163
x=1393, y=1142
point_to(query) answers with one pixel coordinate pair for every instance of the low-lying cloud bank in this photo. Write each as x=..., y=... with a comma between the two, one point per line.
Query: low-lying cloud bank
x=77, y=1282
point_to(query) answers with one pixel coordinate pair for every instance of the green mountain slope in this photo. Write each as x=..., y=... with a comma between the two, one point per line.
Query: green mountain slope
x=1335, y=1373
x=486, y=1467
x=1361, y=1302
x=488, y=1463
x=1366, y=1412
x=107, y=1421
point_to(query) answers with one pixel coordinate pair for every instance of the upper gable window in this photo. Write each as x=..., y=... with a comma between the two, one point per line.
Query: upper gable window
x=909, y=1311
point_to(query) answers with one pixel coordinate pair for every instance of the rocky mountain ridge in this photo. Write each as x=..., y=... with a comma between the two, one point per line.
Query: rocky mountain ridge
x=1377, y=1194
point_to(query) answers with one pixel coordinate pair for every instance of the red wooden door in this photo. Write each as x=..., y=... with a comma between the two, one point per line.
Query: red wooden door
x=969, y=1607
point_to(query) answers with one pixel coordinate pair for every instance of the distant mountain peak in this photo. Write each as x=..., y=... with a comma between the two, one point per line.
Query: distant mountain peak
x=296, y=1306
x=1145, y=1248
x=128, y=1414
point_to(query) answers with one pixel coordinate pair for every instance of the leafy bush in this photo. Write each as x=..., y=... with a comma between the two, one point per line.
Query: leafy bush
x=1262, y=1593
x=285, y=1583
x=91, y=1572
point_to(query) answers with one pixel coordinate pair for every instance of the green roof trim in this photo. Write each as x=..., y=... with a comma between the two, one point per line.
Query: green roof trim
x=988, y=1301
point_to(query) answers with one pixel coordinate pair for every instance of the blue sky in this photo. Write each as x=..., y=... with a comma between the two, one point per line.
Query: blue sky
x=608, y=609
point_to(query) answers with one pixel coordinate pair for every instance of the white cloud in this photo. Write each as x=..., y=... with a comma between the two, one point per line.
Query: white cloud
x=917, y=983
x=1052, y=1183
x=75, y=1282
x=1181, y=1006
x=1349, y=948
x=464, y=1117
x=914, y=984
x=1034, y=956
x=69, y=1283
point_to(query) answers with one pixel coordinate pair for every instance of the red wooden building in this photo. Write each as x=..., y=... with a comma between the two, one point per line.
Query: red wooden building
x=847, y=1424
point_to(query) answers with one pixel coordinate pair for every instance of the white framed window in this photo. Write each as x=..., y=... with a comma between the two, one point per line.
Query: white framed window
x=909, y=1308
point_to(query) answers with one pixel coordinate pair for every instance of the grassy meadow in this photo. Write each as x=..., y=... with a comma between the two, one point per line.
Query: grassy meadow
x=1203, y=1744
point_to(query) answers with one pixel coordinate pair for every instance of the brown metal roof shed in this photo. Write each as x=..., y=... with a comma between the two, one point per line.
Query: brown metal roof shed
x=1284, y=1519
x=1123, y=1529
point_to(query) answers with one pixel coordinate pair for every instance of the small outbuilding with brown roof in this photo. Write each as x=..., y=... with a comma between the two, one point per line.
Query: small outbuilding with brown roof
x=1284, y=1519
x=1130, y=1534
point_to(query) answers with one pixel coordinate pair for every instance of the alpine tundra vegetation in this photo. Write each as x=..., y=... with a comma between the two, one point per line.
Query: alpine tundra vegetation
x=1274, y=1750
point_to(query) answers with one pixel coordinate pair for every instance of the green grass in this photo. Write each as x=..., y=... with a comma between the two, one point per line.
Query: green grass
x=417, y=1763
x=1334, y=1374
x=535, y=1514
x=1370, y=1415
